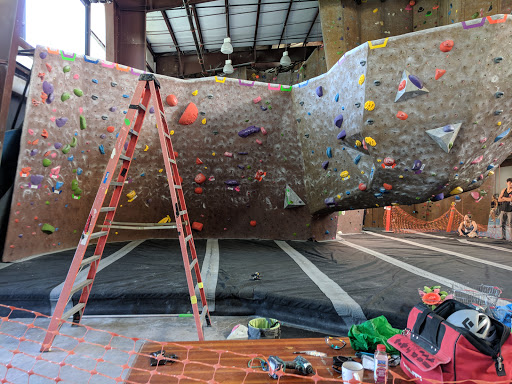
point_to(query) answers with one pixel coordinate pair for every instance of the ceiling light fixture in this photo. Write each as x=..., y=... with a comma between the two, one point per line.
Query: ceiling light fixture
x=285, y=60
x=227, y=48
x=228, y=68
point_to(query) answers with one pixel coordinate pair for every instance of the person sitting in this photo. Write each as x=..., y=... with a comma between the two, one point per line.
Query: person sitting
x=468, y=227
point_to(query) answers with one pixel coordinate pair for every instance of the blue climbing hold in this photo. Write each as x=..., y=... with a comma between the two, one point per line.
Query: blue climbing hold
x=502, y=135
x=58, y=184
x=126, y=96
x=95, y=81
x=329, y=152
x=335, y=169
x=357, y=159
x=79, y=171
x=337, y=97
x=102, y=149
x=489, y=167
x=438, y=197
x=71, y=158
x=348, y=192
x=319, y=91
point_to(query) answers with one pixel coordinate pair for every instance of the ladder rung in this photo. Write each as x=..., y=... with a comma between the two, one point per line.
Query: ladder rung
x=133, y=132
x=142, y=107
x=107, y=209
x=72, y=311
x=123, y=157
x=98, y=234
x=172, y=160
x=167, y=136
x=81, y=285
x=203, y=314
x=192, y=264
x=89, y=260
x=116, y=183
x=162, y=113
x=183, y=212
x=188, y=238
x=177, y=186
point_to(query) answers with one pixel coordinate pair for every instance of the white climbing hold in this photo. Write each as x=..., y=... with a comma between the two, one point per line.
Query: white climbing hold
x=291, y=199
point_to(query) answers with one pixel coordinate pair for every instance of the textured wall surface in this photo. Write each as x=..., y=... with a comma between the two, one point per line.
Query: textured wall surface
x=301, y=138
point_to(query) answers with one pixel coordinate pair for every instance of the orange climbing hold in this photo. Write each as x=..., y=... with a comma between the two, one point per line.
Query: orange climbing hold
x=110, y=129
x=45, y=133
x=253, y=223
x=198, y=161
x=175, y=154
x=190, y=115
x=402, y=85
x=48, y=67
x=402, y=115
x=198, y=190
x=171, y=100
x=439, y=73
x=197, y=226
x=387, y=187
x=446, y=46
x=200, y=178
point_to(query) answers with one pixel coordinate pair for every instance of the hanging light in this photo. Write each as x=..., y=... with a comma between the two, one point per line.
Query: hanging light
x=285, y=60
x=228, y=68
x=227, y=48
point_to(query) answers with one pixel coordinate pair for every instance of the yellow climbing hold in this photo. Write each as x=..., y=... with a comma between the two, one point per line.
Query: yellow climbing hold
x=166, y=219
x=213, y=153
x=401, y=176
x=203, y=121
x=338, y=196
x=160, y=170
x=369, y=105
x=172, y=133
x=362, y=172
x=491, y=173
x=361, y=80
x=376, y=10
x=499, y=122
x=370, y=141
x=344, y=175
x=456, y=191
x=131, y=196
x=358, y=143
x=379, y=160
x=146, y=148
x=195, y=93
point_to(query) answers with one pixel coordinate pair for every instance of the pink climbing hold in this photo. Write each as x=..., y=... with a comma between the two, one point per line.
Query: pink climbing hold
x=256, y=100
x=483, y=140
x=259, y=141
x=76, y=76
x=475, y=195
x=477, y=160
x=263, y=130
x=190, y=115
x=228, y=154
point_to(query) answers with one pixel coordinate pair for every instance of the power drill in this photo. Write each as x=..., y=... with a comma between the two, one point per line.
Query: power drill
x=300, y=364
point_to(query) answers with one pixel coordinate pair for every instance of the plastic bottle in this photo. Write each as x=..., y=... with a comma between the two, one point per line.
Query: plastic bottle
x=380, y=371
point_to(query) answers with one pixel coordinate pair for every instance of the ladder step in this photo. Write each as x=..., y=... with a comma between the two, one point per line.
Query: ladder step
x=192, y=264
x=123, y=157
x=90, y=260
x=167, y=136
x=116, y=183
x=183, y=212
x=72, y=311
x=177, y=186
x=133, y=132
x=188, y=238
x=98, y=234
x=203, y=314
x=172, y=160
x=107, y=209
x=162, y=113
x=81, y=285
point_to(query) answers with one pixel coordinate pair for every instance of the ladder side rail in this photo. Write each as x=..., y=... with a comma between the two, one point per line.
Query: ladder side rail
x=164, y=144
x=64, y=296
x=116, y=195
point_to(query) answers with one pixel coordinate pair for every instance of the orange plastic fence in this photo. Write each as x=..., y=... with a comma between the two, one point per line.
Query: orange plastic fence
x=402, y=221
x=86, y=355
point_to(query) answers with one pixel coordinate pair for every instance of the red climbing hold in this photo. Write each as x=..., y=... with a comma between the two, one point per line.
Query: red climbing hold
x=198, y=161
x=439, y=73
x=362, y=186
x=175, y=154
x=446, y=46
x=402, y=85
x=402, y=115
x=200, y=178
x=197, y=226
x=171, y=100
x=253, y=223
x=45, y=133
x=110, y=129
x=198, y=190
x=190, y=115
x=387, y=187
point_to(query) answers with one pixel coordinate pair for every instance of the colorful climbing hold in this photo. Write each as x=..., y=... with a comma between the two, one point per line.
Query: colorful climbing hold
x=319, y=91
x=253, y=223
x=446, y=46
x=197, y=226
x=110, y=129
x=369, y=105
x=439, y=73
x=416, y=81
x=478, y=160
x=83, y=123
x=256, y=100
x=78, y=92
x=200, y=178
x=361, y=80
x=171, y=100
x=387, y=187
x=402, y=115
x=456, y=191
x=190, y=115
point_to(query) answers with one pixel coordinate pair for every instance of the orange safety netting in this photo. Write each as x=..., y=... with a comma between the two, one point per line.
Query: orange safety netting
x=402, y=221
x=82, y=354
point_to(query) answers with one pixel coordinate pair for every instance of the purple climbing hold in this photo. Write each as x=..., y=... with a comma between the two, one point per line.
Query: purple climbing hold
x=417, y=165
x=342, y=135
x=113, y=109
x=319, y=91
x=33, y=152
x=263, y=108
x=438, y=197
x=249, y=131
x=36, y=179
x=152, y=110
x=57, y=145
x=50, y=98
x=43, y=55
x=102, y=136
x=416, y=81
x=243, y=153
x=325, y=164
x=61, y=121
x=338, y=120
x=241, y=166
x=448, y=128
x=231, y=183
x=330, y=201
x=47, y=87
x=126, y=145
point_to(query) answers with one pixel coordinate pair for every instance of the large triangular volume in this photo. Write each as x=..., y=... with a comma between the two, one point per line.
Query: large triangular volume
x=410, y=86
x=291, y=199
x=445, y=136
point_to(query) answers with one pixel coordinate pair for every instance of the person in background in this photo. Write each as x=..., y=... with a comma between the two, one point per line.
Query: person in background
x=505, y=199
x=495, y=208
x=468, y=227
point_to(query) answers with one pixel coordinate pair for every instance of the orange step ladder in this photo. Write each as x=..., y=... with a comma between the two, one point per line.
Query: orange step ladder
x=147, y=89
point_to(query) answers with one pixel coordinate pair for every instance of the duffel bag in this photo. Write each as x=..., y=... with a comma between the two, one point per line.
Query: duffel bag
x=434, y=349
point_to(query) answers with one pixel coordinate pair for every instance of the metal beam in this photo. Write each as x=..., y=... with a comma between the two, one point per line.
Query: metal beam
x=198, y=25
x=174, y=40
x=186, y=4
x=148, y=44
x=87, y=29
x=311, y=26
x=256, y=28
x=228, y=28
x=285, y=21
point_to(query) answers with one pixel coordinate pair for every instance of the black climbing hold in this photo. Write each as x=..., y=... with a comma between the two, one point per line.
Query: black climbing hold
x=369, y=121
x=94, y=97
x=113, y=83
x=498, y=112
x=363, y=63
x=104, y=117
x=307, y=135
x=202, y=113
x=497, y=60
x=376, y=83
x=301, y=103
x=499, y=94
x=298, y=120
x=357, y=105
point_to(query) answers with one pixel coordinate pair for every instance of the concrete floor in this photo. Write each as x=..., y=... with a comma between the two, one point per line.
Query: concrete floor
x=103, y=344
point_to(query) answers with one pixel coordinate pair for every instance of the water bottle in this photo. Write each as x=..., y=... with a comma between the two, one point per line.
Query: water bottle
x=380, y=372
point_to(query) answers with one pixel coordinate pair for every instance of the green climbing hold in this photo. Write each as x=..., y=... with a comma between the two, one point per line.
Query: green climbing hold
x=47, y=162
x=66, y=148
x=47, y=202
x=74, y=184
x=450, y=146
x=78, y=92
x=77, y=191
x=47, y=228
x=127, y=121
x=66, y=69
x=65, y=96
x=73, y=142
x=83, y=123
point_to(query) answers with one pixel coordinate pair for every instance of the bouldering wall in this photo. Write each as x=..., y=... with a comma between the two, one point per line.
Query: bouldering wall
x=406, y=119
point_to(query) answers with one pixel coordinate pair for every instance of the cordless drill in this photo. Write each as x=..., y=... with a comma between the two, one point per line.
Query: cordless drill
x=299, y=364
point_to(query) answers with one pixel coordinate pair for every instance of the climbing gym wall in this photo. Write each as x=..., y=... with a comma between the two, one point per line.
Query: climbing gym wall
x=400, y=120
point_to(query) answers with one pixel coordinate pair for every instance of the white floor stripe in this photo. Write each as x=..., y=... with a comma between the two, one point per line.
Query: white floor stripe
x=210, y=272
x=425, y=234
x=104, y=263
x=440, y=250
x=344, y=305
x=415, y=270
x=464, y=241
x=4, y=265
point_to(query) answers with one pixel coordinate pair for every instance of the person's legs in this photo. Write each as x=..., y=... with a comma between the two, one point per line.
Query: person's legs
x=505, y=224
